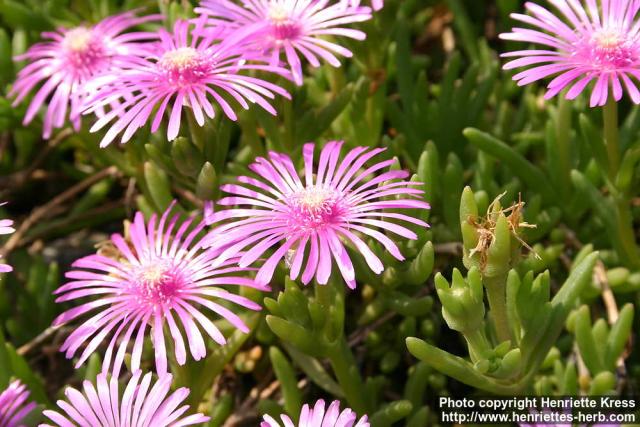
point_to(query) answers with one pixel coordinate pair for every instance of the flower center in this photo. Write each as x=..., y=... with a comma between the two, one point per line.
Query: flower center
x=282, y=26
x=78, y=40
x=156, y=284
x=610, y=48
x=180, y=59
x=183, y=66
x=83, y=49
x=608, y=39
x=314, y=207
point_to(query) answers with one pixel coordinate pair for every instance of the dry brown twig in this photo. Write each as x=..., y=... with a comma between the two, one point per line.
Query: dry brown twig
x=246, y=411
x=609, y=300
x=45, y=210
x=19, y=178
x=41, y=338
x=450, y=248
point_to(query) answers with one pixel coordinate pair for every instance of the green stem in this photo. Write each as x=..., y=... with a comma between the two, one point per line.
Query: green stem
x=611, y=136
x=288, y=115
x=196, y=131
x=497, y=296
x=338, y=80
x=346, y=370
x=324, y=294
x=250, y=133
x=624, y=225
x=563, y=130
x=624, y=219
x=477, y=343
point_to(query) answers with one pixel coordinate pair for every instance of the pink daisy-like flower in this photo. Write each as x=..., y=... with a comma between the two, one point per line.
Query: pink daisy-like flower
x=141, y=404
x=161, y=277
x=585, y=43
x=13, y=406
x=61, y=66
x=6, y=227
x=292, y=27
x=338, y=202
x=318, y=417
x=183, y=69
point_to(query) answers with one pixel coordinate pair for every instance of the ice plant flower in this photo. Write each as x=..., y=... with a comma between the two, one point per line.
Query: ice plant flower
x=318, y=417
x=584, y=43
x=183, y=69
x=140, y=404
x=337, y=203
x=6, y=227
x=293, y=27
x=13, y=405
x=159, y=276
x=60, y=67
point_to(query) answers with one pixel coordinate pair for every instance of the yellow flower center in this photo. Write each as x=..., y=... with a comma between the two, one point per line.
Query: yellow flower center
x=314, y=199
x=78, y=40
x=278, y=14
x=153, y=276
x=608, y=39
x=180, y=59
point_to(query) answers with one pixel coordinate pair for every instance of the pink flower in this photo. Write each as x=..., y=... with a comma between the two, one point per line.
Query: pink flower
x=161, y=277
x=292, y=27
x=184, y=69
x=337, y=203
x=317, y=417
x=6, y=227
x=61, y=66
x=583, y=44
x=141, y=404
x=13, y=409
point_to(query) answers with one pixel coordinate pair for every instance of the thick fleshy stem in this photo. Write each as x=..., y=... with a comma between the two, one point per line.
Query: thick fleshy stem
x=611, y=136
x=195, y=131
x=348, y=375
x=624, y=220
x=497, y=296
x=563, y=141
x=337, y=80
x=340, y=356
x=478, y=344
x=624, y=225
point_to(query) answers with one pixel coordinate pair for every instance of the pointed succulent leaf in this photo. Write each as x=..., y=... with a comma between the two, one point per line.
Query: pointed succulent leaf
x=602, y=384
x=288, y=382
x=207, y=183
x=462, y=303
x=619, y=336
x=391, y=413
x=295, y=334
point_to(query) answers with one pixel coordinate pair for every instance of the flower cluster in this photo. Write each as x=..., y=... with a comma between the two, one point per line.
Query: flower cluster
x=129, y=79
x=174, y=285
x=182, y=69
x=167, y=278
